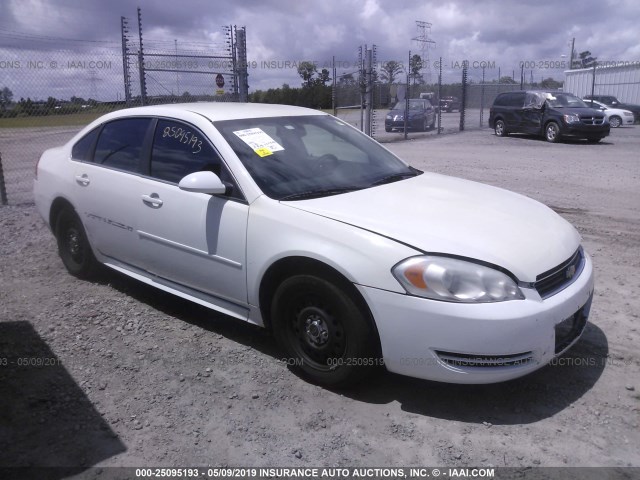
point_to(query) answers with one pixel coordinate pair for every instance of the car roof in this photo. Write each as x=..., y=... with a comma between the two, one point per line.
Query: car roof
x=220, y=110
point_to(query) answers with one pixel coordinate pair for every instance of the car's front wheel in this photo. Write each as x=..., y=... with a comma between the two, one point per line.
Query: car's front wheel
x=73, y=246
x=615, y=122
x=325, y=335
x=500, y=129
x=552, y=132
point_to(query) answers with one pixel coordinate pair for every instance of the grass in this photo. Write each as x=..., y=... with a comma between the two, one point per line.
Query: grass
x=50, y=120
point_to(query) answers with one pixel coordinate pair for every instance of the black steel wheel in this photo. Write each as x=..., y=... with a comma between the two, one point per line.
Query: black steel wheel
x=325, y=335
x=73, y=246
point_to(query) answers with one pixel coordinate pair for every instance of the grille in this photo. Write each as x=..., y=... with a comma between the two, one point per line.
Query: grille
x=571, y=328
x=592, y=119
x=470, y=360
x=558, y=278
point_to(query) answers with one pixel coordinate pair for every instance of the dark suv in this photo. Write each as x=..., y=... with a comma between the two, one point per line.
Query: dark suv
x=613, y=102
x=550, y=114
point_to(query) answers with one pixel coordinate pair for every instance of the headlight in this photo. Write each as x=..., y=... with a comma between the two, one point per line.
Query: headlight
x=453, y=280
x=572, y=118
x=389, y=117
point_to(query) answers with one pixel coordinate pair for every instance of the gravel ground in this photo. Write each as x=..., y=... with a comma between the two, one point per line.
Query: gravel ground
x=115, y=373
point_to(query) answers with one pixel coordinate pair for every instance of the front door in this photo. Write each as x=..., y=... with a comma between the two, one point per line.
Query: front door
x=193, y=239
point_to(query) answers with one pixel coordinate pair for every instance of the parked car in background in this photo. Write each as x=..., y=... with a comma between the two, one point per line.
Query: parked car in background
x=612, y=101
x=291, y=219
x=449, y=104
x=616, y=116
x=422, y=116
x=550, y=114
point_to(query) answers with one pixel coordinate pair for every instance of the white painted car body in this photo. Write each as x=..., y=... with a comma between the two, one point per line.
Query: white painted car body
x=216, y=251
x=625, y=116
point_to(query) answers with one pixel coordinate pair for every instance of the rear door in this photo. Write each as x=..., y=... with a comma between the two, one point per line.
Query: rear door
x=106, y=184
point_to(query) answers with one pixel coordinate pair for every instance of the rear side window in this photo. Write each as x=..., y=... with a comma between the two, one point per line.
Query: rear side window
x=516, y=99
x=83, y=149
x=501, y=100
x=120, y=143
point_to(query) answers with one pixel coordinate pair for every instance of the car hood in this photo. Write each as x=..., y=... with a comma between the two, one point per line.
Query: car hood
x=438, y=214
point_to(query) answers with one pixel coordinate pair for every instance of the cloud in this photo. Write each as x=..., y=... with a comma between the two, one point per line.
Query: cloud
x=281, y=30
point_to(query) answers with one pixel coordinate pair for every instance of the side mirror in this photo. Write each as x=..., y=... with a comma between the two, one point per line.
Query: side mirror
x=203, y=182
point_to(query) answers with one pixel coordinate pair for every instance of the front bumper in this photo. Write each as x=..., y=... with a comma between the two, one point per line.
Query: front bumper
x=478, y=343
x=585, y=131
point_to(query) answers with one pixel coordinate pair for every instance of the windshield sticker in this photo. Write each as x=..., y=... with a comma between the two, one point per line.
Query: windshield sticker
x=259, y=141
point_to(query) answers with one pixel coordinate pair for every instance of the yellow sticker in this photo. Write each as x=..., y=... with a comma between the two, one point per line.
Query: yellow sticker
x=263, y=152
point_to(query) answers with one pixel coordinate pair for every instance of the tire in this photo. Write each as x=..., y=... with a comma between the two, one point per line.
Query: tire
x=433, y=123
x=325, y=335
x=387, y=129
x=552, y=132
x=593, y=140
x=73, y=246
x=500, y=129
x=424, y=127
x=615, y=121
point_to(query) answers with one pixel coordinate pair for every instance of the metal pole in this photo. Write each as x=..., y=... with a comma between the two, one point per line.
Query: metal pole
x=482, y=98
x=573, y=41
x=406, y=99
x=367, y=93
x=3, y=188
x=439, y=92
x=143, y=85
x=125, y=62
x=593, y=80
x=333, y=87
x=177, y=74
x=522, y=76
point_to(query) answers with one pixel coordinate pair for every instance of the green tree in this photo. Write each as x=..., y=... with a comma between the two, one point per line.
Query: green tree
x=414, y=68
x=390, y=71
x=508, y=80
x=307, y=70
x=6, y=95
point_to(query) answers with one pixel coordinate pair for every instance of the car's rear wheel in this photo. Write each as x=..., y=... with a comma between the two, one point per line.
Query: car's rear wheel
x=324, y=333
x=500, y=129
x=425, y=125
x=73, y=246
x=552, y=132
x=615, y=121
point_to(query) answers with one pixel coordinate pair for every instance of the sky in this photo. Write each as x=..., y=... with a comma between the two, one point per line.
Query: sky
x=66, y=47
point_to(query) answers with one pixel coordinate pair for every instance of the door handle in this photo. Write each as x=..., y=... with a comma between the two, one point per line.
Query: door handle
x=83, y=179
x=152, y=200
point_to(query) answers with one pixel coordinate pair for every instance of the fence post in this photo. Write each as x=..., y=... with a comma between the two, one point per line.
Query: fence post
x=463, y=99
x=439, y=96
x=3, y=188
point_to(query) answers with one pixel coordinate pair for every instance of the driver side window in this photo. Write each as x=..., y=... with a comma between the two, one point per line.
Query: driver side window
x=179, y=150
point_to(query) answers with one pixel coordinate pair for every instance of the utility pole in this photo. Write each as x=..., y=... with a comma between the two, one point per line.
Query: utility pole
x=573, y=41
x=425, y=43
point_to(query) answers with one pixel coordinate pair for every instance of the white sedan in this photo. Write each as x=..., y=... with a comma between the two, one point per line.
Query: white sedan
x=291, y=219
x=616, y=116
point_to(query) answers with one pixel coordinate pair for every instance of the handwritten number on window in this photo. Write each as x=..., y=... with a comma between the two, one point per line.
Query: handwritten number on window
x=183, y=136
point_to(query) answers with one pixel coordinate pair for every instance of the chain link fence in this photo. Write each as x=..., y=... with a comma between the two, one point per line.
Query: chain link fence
x=46, y=97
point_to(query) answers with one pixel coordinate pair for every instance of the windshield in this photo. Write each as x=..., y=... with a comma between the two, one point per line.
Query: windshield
x=564, y=100
x=292, y=158
x=413, y=105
